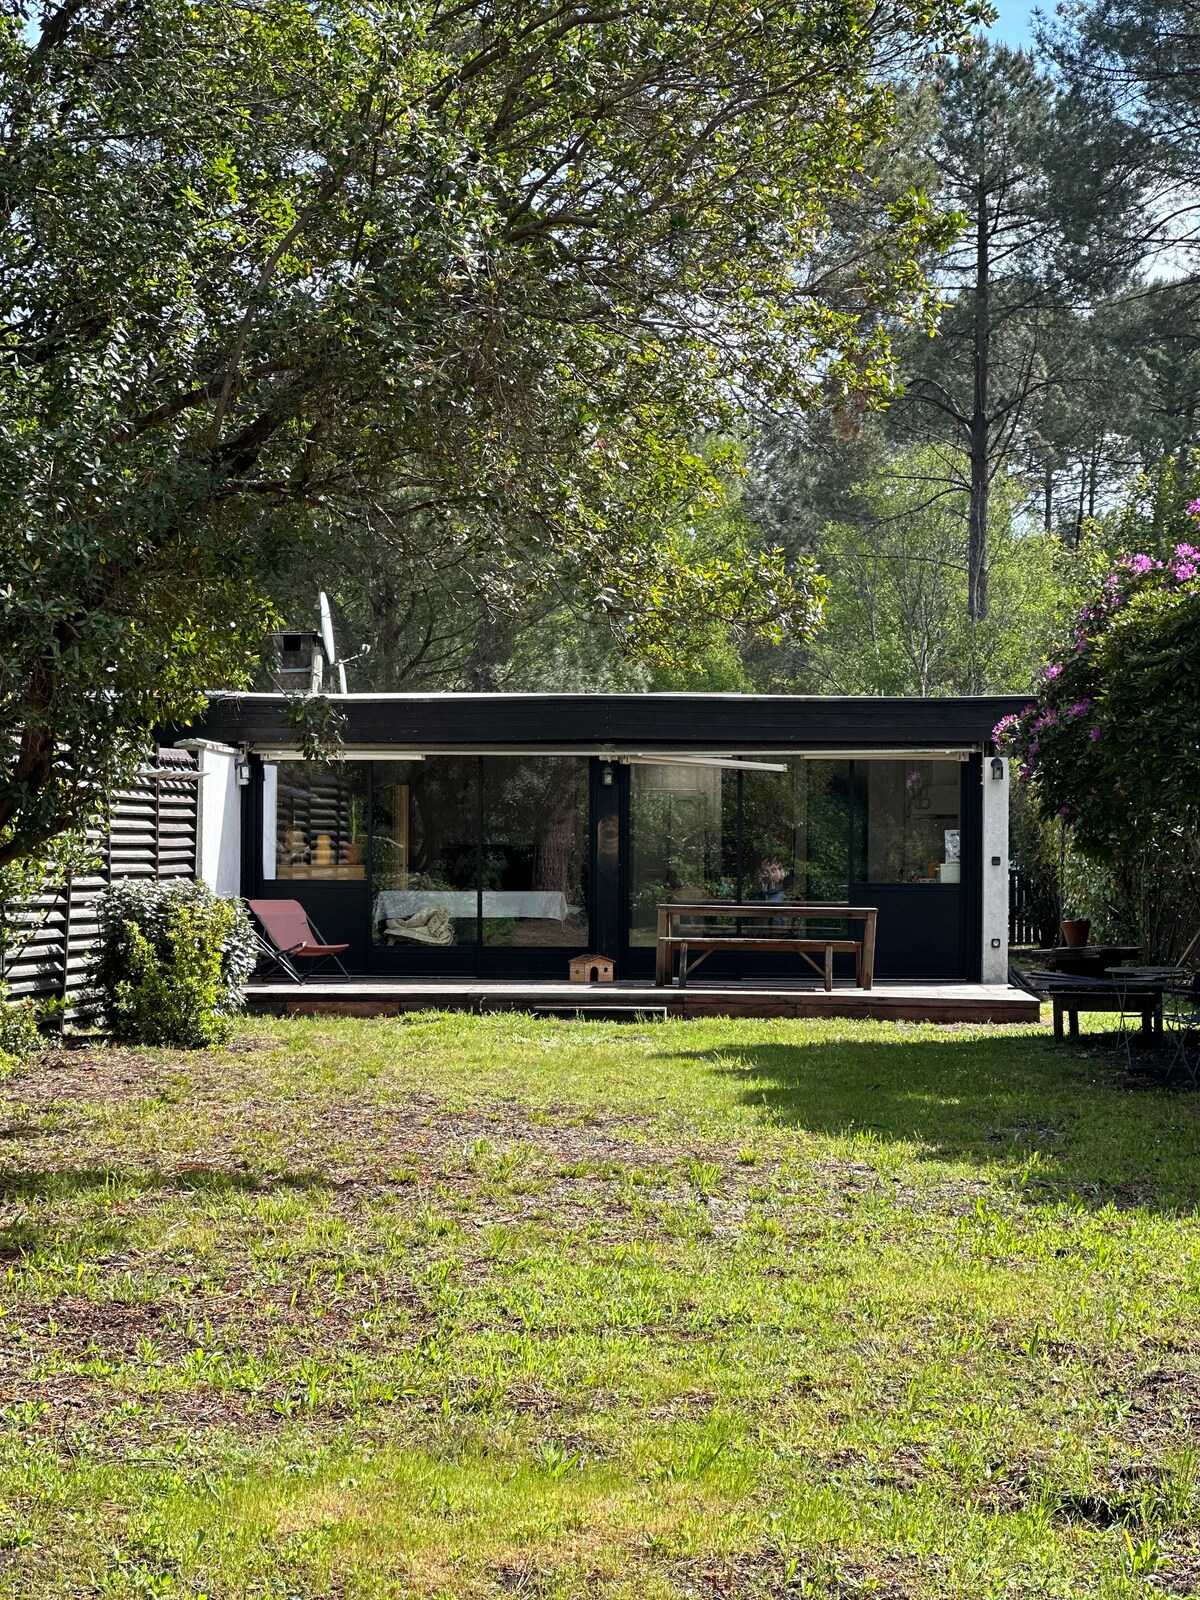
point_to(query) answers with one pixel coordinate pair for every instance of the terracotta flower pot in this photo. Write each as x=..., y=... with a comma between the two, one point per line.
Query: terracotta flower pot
x=1075, y=931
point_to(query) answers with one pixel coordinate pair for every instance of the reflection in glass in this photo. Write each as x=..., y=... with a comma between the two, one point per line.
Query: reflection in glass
x=319, y=820
x=794, y=832
x=911, y=814
x=535, y=846
x=423, y=851
x=683, y=839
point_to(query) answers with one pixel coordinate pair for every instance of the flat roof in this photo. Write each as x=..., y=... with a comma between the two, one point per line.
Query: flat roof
x=658, y=721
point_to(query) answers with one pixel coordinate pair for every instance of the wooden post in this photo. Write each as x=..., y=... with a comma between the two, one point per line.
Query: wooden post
x=868, y=950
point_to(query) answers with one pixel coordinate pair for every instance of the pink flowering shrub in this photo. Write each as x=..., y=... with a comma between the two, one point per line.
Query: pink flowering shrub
x=1111, y=744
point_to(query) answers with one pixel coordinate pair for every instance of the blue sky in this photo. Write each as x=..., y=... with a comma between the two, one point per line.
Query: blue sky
x=1012, y=26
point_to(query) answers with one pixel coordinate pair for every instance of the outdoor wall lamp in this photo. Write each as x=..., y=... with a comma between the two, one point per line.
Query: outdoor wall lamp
x=241, y=771
x=606, y=775
x=997, y=767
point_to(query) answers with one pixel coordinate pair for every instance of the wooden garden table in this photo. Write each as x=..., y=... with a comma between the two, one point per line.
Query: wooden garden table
x=673, y=937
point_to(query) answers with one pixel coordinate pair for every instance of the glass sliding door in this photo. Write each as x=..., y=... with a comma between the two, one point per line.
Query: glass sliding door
x=881, y=832
x=683, y=840
x=479, y=863
x=425, y=858
x=534, y=861
x=907, y=861
x=312, y=846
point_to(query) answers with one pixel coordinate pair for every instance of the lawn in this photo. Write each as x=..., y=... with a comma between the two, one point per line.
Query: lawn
x=446, y=1306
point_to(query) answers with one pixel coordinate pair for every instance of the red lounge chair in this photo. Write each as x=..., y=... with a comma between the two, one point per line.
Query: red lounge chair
x=291, y=937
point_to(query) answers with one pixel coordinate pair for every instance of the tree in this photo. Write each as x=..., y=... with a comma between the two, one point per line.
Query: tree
x=483, y=619
x=477, y=276
x=1041, y=183
x=1135, y=64
x=896, y=616
x=1125, y=401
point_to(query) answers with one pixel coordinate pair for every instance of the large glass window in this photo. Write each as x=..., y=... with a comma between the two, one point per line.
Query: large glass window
x=806, y=834
x=437, y=879
x=424, y=851
x=911, y=821
x=795, y=832
x=317, y=820
x=683, y=839
x=535, y=851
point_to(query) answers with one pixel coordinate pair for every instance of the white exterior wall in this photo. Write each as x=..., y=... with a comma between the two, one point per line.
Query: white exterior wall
x=218, y=816
x=994, y=966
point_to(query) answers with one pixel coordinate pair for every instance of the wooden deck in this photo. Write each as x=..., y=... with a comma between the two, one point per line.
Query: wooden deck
x=909, y=1002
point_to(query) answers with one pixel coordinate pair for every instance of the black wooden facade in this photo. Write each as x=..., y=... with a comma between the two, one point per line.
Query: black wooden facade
x=672, y=721
x=926, y=930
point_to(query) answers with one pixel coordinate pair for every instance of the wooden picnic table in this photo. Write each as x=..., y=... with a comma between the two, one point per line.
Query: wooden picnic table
x=672, y=936
x=1127, y=990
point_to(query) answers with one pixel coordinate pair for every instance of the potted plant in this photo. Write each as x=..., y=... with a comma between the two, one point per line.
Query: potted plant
x=1075, y=931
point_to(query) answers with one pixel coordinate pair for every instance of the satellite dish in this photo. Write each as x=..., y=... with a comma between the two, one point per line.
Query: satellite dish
x=327, y=627
x=327, y=639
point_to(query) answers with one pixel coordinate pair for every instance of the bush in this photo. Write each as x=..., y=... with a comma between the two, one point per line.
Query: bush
x=1110, y=750
x=20, y=1036
x=171, y=962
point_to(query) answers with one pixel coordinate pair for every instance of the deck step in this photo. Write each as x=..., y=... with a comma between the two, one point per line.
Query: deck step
x=632, y=1002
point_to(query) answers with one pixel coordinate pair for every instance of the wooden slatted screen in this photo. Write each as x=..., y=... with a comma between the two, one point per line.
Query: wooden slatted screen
x=46, y=943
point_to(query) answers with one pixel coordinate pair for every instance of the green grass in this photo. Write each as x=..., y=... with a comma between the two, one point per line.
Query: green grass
x=445, y=1306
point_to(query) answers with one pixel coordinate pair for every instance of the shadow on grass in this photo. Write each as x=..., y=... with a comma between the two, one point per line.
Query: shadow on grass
x=69, y=1183
x=1099, y=1136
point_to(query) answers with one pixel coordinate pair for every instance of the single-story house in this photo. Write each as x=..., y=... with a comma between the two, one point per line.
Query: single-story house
x=497, y=835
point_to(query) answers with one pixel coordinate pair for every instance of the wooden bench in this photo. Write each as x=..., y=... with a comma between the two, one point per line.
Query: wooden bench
x=1098, y=994
x=672, y=937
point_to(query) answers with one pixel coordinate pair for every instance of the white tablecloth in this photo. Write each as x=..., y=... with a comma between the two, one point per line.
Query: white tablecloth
x=545, y=905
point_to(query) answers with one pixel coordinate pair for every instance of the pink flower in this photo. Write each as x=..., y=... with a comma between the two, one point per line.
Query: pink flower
x=1053, y=671
x=1078, y=709
x=1093, y=733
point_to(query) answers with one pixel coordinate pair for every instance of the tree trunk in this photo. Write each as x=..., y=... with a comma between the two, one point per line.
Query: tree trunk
x=979, y=430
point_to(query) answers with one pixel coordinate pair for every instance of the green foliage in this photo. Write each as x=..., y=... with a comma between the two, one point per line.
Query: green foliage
x=20, y=1031
x=1155, y=514
x=171, y=961
x=896, y=617
x=456, y=287
x=1111, y=747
